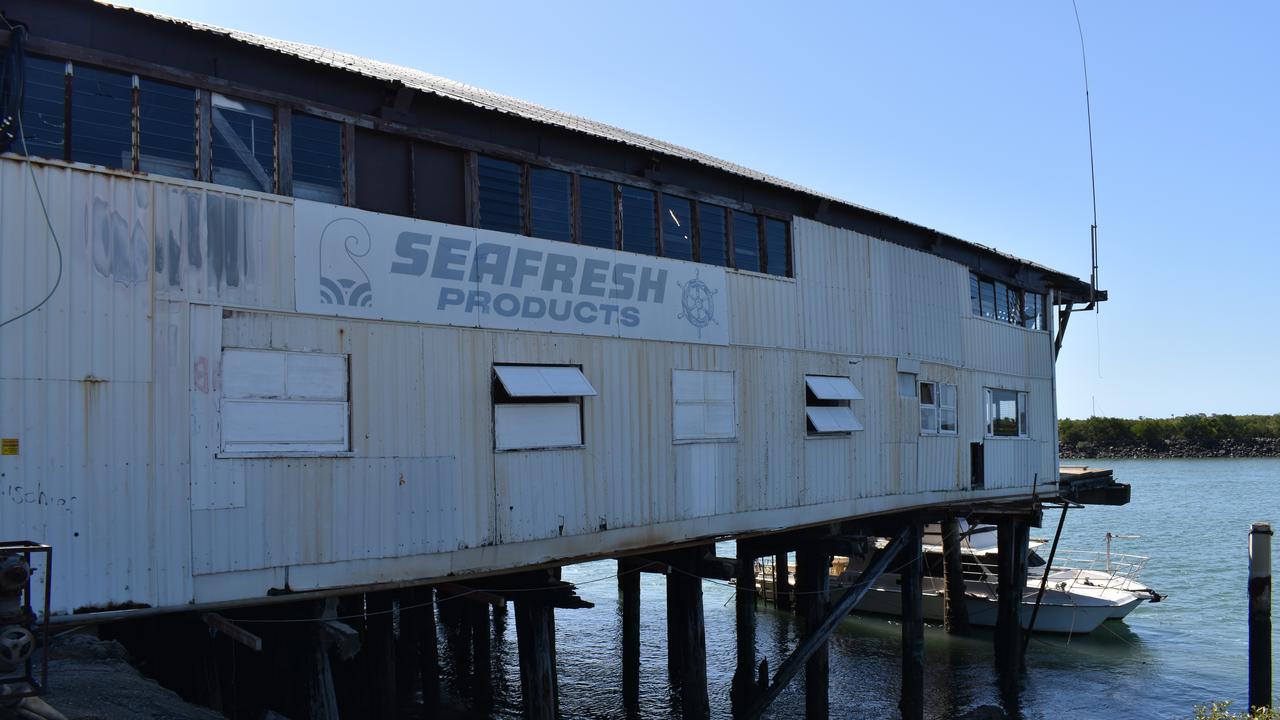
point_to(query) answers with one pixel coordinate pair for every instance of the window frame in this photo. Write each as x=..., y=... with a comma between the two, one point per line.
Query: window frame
x=345, y=399
x=938, y=407
x=825, y=392
x=1021, y=402
x=500, y=396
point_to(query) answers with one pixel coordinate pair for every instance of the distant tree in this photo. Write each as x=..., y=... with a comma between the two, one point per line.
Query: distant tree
x=1198, y=429
x=1152, y=433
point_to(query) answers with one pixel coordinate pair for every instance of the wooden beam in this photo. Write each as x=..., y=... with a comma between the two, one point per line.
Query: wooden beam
x=466, y=592
x=791, y=666
x=235, y=632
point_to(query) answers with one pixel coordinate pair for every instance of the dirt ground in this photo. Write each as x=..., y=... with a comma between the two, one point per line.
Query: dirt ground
x=91, y=679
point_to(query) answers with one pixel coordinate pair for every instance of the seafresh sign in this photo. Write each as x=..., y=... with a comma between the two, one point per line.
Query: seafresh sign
x=355, y=263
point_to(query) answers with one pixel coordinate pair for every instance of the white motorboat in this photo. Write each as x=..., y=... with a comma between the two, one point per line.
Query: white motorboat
x=1096, y=587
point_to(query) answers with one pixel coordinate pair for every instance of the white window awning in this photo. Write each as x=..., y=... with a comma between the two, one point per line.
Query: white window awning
x=825, y=387
x=543, y=381
x=833, y=419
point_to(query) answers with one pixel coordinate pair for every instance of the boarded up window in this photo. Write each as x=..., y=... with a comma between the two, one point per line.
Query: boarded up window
x=712, y=236
x=43, y=108
x=501, y=195
x=550, y=204
x=703, y=405
x=777, y=247
x=317, y=159
x=746, y=241
x=677, y=228
x=828, y=405
x=639, y=221
x=596, y=213
x=538, y=406
x=284, y=402
x=166, y=129
x=244, y=139
x=102, y=117
x=438, y=184
x=382, y=173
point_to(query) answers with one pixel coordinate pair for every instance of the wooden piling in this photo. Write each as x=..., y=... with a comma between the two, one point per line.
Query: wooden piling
x=629, y=590
x=911, y=563
x=428, y=652
x=1011, y=582
x=322, y=698
x=813, y=577
x=536, y=640
x=955, y=614
x=1260, y=616
x=481, y=654
x=408, y=655
x=782, y=581
x=744, y=681
x=381, y=648
x=686, y=630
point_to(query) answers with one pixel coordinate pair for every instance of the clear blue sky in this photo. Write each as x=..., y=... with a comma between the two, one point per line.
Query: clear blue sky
x=965, y=117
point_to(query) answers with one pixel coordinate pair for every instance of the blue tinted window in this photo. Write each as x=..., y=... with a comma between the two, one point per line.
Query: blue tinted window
x=712, y=235
x=596, y=213
x=975, y=300
x=746, y=241
x=987, y=293
x=639, y=226
x=677, y=228
x=1002, y=302
x=775, y=245
x=43, y=108
x=317, y=159
x=102, y=117
x=167, y=129
x=244, y=144
x=500, y=199
x=549, y=204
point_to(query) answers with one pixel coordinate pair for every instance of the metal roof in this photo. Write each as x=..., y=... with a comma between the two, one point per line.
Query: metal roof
x=444, y=87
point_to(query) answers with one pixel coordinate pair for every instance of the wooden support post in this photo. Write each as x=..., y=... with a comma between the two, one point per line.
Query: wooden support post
x=813, y=577
x=481, y=644
x=536, y=639
x=955, y=612
x=322, y=698
x=428, y=653
x=1260, y=616
x=911, y=573
x=408, y=660
x=1011, y=582
x=782, y=581
x=675, y=634
x=351, y=673
x=691, y=633
x=380, y=645
x=629, y=589
x=744, y=682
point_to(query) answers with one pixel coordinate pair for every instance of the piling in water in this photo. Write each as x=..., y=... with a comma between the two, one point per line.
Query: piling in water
x=1260, y=615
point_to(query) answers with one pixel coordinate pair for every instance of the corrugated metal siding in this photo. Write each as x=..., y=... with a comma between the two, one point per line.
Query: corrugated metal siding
x=157, y=507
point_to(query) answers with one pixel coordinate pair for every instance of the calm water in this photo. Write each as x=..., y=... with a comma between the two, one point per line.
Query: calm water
x=1191, y=517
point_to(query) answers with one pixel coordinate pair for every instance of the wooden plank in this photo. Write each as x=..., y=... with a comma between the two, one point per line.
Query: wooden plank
x=791, y=666
x=235, y=632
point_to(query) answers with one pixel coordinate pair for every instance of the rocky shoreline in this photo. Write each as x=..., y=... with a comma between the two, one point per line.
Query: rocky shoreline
x=1258, y=447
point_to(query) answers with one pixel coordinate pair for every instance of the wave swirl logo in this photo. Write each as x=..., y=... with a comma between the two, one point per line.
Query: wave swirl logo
x=697, y=303
x=342, y=279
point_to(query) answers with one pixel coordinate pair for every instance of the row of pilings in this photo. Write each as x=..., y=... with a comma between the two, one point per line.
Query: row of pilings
x=377, y=654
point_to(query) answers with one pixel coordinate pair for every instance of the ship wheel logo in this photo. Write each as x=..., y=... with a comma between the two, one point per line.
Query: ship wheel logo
x=697, y=303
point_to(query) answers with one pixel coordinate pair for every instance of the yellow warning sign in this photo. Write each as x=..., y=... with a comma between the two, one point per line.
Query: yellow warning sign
x=8, y=446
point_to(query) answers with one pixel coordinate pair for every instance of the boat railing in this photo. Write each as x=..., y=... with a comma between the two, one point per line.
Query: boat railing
x=1097, y=569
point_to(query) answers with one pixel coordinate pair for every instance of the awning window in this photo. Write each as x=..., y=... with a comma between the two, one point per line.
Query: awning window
x=522, y=381
x=825, y=387
x=836, y=419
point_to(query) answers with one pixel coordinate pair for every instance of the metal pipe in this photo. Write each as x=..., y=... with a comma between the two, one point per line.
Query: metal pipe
x=1044, y=579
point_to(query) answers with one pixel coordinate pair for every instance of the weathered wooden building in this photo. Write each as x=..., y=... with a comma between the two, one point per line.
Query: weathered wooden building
x=319, y=322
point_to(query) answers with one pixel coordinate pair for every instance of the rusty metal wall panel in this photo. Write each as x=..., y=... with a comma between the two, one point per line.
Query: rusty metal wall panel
x=999, y=347
x=833, y=280
x=764, y=310
x=223, y=247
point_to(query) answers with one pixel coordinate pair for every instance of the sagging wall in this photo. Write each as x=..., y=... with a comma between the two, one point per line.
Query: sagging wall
x=113, y=388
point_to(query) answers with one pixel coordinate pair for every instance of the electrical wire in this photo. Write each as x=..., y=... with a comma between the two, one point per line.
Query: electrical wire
x=17, y=76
